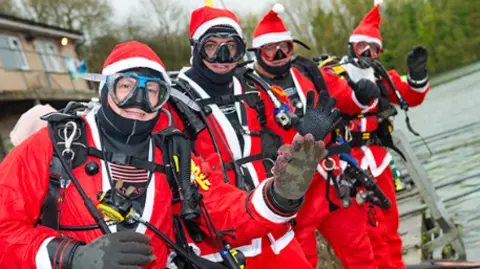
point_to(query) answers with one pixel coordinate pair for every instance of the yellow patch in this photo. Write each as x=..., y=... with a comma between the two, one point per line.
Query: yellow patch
x=199, y=177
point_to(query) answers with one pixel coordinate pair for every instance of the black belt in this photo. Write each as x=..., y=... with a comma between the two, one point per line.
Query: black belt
x=360, y=139
x=244, y=160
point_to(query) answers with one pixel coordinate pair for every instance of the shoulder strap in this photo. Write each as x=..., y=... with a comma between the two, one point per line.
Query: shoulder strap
x=312, y=71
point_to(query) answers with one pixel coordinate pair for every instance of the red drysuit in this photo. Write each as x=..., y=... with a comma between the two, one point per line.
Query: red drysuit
x=385, y=239
x=24, y=181
x=277, y=247
x=340, y=226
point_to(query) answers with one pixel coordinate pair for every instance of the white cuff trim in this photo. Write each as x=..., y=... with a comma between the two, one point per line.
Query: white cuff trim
x=260, y=206
x=422, y=89
x=42, y=258
x=282, y=242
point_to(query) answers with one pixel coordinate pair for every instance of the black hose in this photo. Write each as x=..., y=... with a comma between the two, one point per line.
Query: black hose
x=202, y=263
x=210, y=131
x=181, y=146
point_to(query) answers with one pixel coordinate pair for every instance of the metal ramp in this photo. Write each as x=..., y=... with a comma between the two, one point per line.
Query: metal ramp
x=436, y=232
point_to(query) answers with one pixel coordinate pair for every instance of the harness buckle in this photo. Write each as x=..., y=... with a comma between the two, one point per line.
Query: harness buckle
x=68, y=153
x=121, y=158
x=348, y=134
x=328, y=164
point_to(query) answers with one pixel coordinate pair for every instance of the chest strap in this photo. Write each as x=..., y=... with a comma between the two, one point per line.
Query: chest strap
x=124, y=159
x=249, y=97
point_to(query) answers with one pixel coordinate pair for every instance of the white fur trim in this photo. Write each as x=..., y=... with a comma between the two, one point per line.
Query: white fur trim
x=370, y=159
x=135, y=62
x=150, y=195
x=132, y=63
x=261, y=40
x=260, y=205
x=149, y=200
x=363, y=107
x=422, y=89
x=282, y=242
x=278, y=8
x=300, y=93
x=363, y=122
x=173, y=254
x=42, y=258
x=360, y=38
x=251, y=250
x=322, y=171
x=203, y=28
x=223, y=121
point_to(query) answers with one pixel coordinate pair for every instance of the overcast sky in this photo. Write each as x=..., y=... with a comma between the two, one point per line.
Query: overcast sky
x=123, y=7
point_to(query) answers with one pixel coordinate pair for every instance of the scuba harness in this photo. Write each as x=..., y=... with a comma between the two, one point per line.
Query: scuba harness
x=382, y=135
x=68, y=133
x=252, y=99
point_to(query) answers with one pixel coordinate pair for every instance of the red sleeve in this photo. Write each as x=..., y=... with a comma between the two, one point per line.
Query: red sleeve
x=230, y=207
x=346, y=100
x=412, y=95
x=23, y=184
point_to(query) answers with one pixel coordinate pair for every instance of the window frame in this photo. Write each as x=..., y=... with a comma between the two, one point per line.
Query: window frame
x=47, y=58
x=10, y=40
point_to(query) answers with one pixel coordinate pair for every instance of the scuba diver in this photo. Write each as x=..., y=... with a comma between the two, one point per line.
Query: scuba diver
x=226, y=125
x=96, y=191
x=284, y=91
x=369, y=132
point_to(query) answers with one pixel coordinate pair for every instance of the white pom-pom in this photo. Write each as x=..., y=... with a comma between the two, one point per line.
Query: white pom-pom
x=377, y=2
x=278, y=8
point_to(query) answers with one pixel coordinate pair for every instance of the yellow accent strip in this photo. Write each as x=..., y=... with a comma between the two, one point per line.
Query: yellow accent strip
x=103, y=196
x=209, y=3
x=175, y=159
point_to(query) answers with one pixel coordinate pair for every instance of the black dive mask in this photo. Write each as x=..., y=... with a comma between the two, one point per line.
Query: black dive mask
x=230, y=49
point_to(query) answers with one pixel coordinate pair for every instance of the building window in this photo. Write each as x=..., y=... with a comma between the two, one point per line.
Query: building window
x=11, y=53
x=49, y=56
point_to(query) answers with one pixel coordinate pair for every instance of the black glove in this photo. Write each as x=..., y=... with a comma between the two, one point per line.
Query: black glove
x=122, y=250
x=318, y=120
x=365, y=91
x=417, y=63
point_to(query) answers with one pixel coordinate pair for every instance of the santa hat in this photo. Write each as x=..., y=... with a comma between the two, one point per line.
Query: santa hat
x=133, y=54
x=369, y=28
x=207, y=17
x=271, y=28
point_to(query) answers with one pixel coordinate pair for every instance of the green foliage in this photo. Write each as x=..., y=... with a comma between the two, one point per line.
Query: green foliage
x=450, y=29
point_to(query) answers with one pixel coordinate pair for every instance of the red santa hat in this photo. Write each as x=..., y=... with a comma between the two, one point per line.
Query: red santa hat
x=207, y=17
x=369, y=28
x=133, y=54
x=271, y=28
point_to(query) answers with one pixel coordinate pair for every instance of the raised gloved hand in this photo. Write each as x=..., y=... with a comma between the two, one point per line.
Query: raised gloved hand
x=122, y=250
x=294, y=168
x=417, y=63
x=365, y=91
x=318, y=120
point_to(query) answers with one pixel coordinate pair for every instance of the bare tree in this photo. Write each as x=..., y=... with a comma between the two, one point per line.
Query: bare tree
x=89, y=16
x=167, y=16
